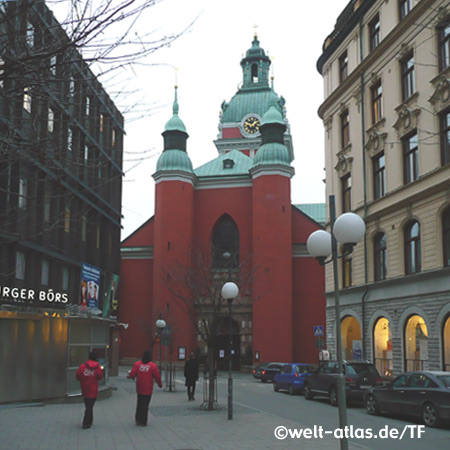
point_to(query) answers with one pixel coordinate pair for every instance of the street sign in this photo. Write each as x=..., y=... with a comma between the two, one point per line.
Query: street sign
x=318, y=330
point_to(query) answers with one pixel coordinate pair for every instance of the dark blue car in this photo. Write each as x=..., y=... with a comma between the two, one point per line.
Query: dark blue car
x=291, y=377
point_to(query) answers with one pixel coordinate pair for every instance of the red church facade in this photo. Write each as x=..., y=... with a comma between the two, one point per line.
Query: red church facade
x=237, y=206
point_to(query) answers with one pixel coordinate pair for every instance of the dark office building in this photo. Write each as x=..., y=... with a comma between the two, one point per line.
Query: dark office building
x=61, y=140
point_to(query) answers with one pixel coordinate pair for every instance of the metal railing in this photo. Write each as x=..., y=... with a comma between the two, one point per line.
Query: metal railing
x=385, y=366
x=205, y=402
x=415, y=364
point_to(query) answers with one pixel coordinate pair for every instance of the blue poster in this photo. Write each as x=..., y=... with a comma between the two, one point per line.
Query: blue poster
x=90, y=286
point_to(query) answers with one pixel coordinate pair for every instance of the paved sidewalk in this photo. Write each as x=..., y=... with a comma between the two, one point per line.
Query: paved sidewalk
x=174, y=423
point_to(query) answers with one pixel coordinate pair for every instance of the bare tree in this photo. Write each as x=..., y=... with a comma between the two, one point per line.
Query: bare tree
x=197, y=290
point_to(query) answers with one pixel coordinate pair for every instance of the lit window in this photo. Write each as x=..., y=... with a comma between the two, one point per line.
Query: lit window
x=20, y=265
x=45, y=270
x=51, y=120
x=27, y=100
x=71, y=87
x=88, y=105
x=416, y=344
x=374, y=32
x=446, y=236
x=67, y=220
x=113, y=138
x=86, y=154
x=23, y=193
x=102, y=122
x=408, y=82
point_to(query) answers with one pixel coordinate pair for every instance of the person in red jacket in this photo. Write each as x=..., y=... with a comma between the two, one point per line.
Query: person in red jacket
x=145, y=372
x=88, y=374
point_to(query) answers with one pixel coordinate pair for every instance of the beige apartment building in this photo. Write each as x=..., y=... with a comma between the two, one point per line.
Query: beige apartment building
x=386, y=113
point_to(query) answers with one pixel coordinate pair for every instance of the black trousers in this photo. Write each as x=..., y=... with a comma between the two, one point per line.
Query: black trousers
x=143, y=402
x=191, y=390
x=88, y=412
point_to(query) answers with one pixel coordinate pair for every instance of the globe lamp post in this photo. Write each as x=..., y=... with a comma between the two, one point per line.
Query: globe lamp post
x=348, y=229
x=160, y=325
x=229, y=292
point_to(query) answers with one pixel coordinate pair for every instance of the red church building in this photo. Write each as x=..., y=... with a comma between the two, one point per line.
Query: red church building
x=229, y=218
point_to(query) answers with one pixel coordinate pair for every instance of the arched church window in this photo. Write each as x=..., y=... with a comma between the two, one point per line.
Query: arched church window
x=225, y=243
x=255, y=73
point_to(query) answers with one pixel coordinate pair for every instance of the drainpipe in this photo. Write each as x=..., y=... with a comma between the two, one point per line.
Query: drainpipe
x=363, y=129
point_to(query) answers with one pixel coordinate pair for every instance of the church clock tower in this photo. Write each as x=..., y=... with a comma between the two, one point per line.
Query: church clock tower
x=241, y=117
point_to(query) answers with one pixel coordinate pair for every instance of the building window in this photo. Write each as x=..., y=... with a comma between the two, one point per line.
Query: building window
x=376, y=100
x=346, y=182
x=410, y=158
x=20, y=265
x=88, y=105
x=71, y=87
x=113, y=138
x=405, y=7
x=51, y=120
x=444, y=45
x=97, y=243
x=70, y=139
x=374, y=32
x=347, y=271
x=343, y=66
x=379, y=253
x=23, y=193
x=412, y=248
x=30, y=35
x=47, y=204
x=67, y=220
x=45, y=270
x=86, y=154
x=2, y=64
x=446, y=236
x=84, y=228
x=27, y=100
x=345, y=128
x=65, y=279
x=102, y=122
x=445, y=137
x=416, y=343
x=53, y=61
x=379, y=176
x=225, y=243
x=408, y=83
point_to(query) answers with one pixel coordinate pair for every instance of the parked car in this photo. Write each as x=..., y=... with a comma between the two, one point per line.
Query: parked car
x=266, y=371
x=359, y=377
x=424, y=394
x=291, y=377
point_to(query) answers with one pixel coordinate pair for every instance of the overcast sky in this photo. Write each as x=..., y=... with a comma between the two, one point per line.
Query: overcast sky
x=208, y=61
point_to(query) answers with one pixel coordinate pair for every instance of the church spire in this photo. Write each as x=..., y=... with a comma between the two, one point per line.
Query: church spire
x=175, y=135
x=255, y=66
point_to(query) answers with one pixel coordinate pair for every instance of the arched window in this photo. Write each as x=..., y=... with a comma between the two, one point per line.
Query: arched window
x=225, y=243
x=382, y=347
x=412, y=248
x=416, y=343
x=446, y=343
x=446, y=236
x=351, y=338
x=255, y=73
x=379, y=254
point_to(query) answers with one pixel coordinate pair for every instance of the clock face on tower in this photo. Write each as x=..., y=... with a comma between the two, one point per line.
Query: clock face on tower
x=251, y=125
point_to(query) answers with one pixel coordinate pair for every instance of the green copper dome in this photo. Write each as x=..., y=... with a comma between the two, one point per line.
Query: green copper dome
x=174, y=160
x=272, y=153
x=273, y=115
x=175, y=123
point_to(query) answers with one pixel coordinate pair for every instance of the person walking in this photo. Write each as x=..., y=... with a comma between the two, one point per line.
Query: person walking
x=191, y=375
x=146, y=372
x=89, y=374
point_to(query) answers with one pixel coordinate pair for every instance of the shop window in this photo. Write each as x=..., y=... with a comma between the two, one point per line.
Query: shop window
x=446, y=344
x=351, y=338
x=382, y=343
x=416, y=344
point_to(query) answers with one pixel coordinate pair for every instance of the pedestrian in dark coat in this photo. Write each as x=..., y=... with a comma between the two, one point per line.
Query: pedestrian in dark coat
x=191, y=375
x=146, y=372
x=88, y=374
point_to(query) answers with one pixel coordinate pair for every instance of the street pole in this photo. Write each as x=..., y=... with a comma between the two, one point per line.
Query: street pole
x=230, y=379
x=341, y=379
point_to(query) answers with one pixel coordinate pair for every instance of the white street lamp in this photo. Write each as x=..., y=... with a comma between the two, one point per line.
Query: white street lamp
x=160, y=325
x=229, y=292
x=348, y=230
